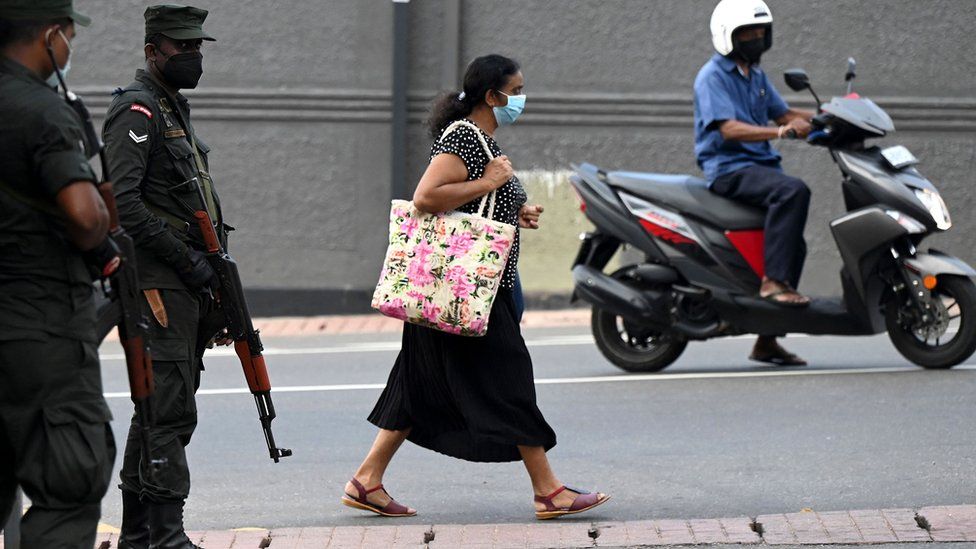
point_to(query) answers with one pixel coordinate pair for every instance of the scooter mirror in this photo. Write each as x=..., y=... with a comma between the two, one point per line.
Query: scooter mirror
x=851, y=66
x=797, y=79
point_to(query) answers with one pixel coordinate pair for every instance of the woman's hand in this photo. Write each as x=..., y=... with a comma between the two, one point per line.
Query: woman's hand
x=528, y=217
x=498, y=172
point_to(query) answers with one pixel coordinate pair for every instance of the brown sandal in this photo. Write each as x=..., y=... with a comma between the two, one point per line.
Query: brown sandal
x=583, y=502
x=391, y=509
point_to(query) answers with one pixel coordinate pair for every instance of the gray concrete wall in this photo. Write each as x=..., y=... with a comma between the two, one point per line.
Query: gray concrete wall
x=295, y=103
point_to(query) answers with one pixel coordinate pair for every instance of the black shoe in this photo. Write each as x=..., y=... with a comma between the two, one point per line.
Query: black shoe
x=166, y=526
x=135, y=522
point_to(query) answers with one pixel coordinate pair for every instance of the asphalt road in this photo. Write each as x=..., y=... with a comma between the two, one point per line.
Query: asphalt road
x=713, y=436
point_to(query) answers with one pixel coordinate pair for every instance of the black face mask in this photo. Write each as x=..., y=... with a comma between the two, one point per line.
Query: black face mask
x=751, y=51
x=183, y=70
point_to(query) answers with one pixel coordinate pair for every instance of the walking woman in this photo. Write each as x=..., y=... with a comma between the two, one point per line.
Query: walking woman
x=471, y=398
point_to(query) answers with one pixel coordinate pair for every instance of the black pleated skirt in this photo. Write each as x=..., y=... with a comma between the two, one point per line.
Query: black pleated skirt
x=472, y=398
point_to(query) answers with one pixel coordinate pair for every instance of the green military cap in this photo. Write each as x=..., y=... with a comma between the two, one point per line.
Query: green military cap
x=18, y=10
x=176, y=22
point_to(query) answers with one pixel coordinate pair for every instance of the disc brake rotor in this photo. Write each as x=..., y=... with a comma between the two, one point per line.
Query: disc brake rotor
x=937, y=322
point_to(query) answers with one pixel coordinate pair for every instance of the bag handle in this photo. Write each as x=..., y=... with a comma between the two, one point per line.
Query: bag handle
x=490, y=197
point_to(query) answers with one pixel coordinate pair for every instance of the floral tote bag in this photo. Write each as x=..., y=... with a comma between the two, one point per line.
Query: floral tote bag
x=443, y=270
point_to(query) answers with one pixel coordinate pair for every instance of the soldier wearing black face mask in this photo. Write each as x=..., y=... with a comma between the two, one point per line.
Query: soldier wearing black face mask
x=55, y=438
x=161, y=178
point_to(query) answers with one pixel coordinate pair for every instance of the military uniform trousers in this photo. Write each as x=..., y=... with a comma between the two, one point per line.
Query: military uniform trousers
x=176, y=349
x=55, y=439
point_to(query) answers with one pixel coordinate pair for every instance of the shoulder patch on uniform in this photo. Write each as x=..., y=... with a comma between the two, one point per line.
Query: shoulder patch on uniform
x=138, y=138
x=139, y=108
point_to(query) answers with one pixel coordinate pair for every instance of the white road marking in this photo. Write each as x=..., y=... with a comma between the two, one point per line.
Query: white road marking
x=369, y=347
x=392, y=346
x=595, y=379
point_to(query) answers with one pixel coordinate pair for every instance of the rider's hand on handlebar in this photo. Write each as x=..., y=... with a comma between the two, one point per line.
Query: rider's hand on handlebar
x=498, y=172
x=800, y=127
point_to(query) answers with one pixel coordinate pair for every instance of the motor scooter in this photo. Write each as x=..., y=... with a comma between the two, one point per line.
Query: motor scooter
x=703, y=254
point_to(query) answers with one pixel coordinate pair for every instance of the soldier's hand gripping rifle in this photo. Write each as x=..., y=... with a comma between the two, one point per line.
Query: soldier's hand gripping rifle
x=125, y=309
x=247, y=341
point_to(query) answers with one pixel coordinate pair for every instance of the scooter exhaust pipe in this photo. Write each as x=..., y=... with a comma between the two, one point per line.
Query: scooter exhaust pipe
x=609, y=294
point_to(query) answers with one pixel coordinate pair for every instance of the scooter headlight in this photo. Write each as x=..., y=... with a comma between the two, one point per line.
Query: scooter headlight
x=909, y=223
x=936, y=206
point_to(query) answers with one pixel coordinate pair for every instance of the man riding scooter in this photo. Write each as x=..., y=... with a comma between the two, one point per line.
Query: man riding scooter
x=734, y=104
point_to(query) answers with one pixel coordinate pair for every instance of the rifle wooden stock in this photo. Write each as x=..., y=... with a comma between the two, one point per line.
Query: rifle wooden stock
x=139, y=365
x=210, y=239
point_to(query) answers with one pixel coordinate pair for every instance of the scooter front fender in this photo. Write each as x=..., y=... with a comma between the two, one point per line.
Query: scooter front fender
x=937, y=263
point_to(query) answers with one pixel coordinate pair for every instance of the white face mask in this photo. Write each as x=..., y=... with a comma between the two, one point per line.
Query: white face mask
x=53, y=79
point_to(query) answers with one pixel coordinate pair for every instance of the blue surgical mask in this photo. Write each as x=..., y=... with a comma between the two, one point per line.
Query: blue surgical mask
x=53, y=79
x=508, y=114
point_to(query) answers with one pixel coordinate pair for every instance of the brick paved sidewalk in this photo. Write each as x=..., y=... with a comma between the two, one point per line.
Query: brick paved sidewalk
x=378, y=324
x=925, y=525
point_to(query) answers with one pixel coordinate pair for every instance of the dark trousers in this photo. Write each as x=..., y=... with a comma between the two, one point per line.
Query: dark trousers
x=786, y=200
x=55, y=440
x=176, y=366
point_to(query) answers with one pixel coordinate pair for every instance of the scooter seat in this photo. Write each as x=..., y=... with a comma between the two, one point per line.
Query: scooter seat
x=689, y=196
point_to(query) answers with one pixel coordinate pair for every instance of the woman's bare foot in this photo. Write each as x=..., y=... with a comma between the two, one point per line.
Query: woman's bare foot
x=375, y=497
x=780, y=292
x=561, y=502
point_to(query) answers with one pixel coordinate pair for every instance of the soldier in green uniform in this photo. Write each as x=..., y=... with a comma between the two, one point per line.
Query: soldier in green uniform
x=55, y=439
x=161, y=176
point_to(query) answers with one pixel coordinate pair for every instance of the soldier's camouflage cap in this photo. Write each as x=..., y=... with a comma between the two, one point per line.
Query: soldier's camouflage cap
x=18, y=10
x=176, y=22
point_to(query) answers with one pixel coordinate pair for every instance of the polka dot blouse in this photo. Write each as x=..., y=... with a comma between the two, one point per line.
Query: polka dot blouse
x=464, y=143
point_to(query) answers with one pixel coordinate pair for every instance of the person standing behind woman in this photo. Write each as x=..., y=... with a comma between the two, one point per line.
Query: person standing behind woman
x=469, y=398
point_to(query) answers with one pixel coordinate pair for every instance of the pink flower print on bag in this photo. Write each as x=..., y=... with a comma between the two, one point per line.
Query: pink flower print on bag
x=419, y=296
x=409, y=226
x=500, y=246
x=462, y=288
x=431, y=312
x=459, y=244
x=456, y=273
x=423, y=250
x=477, y=324
x=443, y=270
x=394, y=308
x=418, y=274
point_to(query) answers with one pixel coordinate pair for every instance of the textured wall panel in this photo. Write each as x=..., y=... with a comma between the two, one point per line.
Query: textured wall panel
x=296, y=105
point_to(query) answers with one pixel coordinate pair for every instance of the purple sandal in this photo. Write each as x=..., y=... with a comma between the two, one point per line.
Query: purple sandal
x=583, y=502
x=391, y=509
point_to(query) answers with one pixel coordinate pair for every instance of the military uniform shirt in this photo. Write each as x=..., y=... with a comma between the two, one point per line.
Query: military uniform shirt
x=158, y=185
x=45, y=288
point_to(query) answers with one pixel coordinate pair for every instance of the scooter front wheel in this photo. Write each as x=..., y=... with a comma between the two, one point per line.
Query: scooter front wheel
x=946, y=336
x=632, y=347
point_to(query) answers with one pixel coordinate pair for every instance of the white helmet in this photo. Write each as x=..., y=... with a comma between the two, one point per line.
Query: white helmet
x=731, y=15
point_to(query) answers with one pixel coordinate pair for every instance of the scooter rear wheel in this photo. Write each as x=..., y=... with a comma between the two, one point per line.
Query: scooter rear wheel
x=631, y=347
x=949, y=337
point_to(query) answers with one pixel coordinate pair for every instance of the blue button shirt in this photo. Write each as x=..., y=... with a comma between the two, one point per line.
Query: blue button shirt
x=722, y=93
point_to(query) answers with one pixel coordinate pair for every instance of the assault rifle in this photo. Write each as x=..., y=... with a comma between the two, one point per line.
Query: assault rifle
x=124, y=309
x=247, y=341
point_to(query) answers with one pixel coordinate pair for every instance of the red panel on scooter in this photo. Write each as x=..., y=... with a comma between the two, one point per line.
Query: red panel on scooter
x=750, y=245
